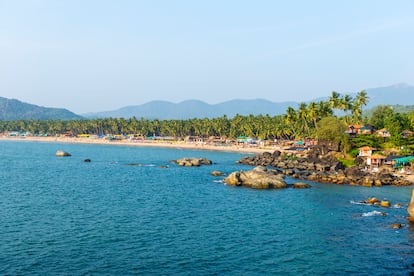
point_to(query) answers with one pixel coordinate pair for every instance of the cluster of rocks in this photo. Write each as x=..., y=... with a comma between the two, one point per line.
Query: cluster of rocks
x=318, y=167
x=260, y=178
x=385, y=203
x=376, y=202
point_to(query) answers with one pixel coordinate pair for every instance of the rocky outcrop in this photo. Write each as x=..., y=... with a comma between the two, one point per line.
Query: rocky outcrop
x=410, y=208
x=192, y=162
x=257, y=178
x=321, y=165
x=61, y=153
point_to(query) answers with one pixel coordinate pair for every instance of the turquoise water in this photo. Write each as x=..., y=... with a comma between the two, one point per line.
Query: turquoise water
x=64, y=216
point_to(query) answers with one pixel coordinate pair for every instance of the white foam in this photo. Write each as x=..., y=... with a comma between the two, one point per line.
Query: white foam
x=373, y=213
x=359, y=203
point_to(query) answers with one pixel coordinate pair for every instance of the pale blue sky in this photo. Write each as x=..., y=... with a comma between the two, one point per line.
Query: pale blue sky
x=95, y=55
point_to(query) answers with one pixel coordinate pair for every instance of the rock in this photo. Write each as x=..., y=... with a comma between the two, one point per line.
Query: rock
x=371, y=200
x=367, y=182
x=276, y=154
x=61, y=153
x=385, y=203
x=397, y=205
x=204, y=161
x=301, y=185
x=216, y=173
x=410, y=208
x=192, y=162
x=233, y=179
x=257, y=178
x=396, y=226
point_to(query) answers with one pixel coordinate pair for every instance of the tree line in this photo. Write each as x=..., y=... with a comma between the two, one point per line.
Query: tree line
x=305, y=121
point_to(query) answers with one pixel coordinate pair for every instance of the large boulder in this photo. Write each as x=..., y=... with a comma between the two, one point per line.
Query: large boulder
x=257, y=178
x=192, y=162
x=410, y=208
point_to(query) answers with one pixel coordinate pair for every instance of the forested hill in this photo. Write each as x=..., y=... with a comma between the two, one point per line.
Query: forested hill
x=11, y=109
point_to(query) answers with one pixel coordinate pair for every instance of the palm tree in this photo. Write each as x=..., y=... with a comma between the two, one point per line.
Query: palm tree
x=303, y=115
x=291, y=119
x=361, y=100
x=334, y=100
x=313, y=112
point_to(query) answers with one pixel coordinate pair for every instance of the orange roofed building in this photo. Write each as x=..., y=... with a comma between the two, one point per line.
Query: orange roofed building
x=366, y=151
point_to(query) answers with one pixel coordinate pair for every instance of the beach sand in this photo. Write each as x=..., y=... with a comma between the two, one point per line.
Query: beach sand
x=146, y=143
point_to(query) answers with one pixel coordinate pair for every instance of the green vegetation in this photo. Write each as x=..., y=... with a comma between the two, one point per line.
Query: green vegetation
x=314, y=120
x=347, y=162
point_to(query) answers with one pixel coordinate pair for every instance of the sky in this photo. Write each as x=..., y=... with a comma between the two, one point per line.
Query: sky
x=99, y=55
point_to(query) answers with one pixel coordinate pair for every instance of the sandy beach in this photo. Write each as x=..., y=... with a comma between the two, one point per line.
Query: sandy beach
x=146, y=143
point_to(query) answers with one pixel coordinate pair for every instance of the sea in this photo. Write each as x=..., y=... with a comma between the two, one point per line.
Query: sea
x=130, y=211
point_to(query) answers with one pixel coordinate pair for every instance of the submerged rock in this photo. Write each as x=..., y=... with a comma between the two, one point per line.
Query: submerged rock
x=61, y=153
x=217, y=173
x=396, y=225
x=301, y=185
x=257, y=178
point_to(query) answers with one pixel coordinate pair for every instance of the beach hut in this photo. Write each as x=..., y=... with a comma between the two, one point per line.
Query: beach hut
x=375, y=160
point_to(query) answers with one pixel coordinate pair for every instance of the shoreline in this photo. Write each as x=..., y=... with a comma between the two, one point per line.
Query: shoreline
x=147, y=143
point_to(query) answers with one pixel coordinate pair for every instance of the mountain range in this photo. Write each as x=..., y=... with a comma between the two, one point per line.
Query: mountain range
x=399, y=94
x=195, y=109
x=12, y=109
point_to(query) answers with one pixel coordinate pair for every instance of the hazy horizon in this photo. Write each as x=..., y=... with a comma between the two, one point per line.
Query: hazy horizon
x=91, y=56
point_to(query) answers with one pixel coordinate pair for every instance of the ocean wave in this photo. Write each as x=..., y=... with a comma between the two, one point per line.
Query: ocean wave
x=359, y=203
x=140, y=165
x=373, y=213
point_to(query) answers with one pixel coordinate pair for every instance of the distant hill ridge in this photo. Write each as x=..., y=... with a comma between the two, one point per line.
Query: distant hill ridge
x=399, y=94
x=195, y=109
x=12, y=109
